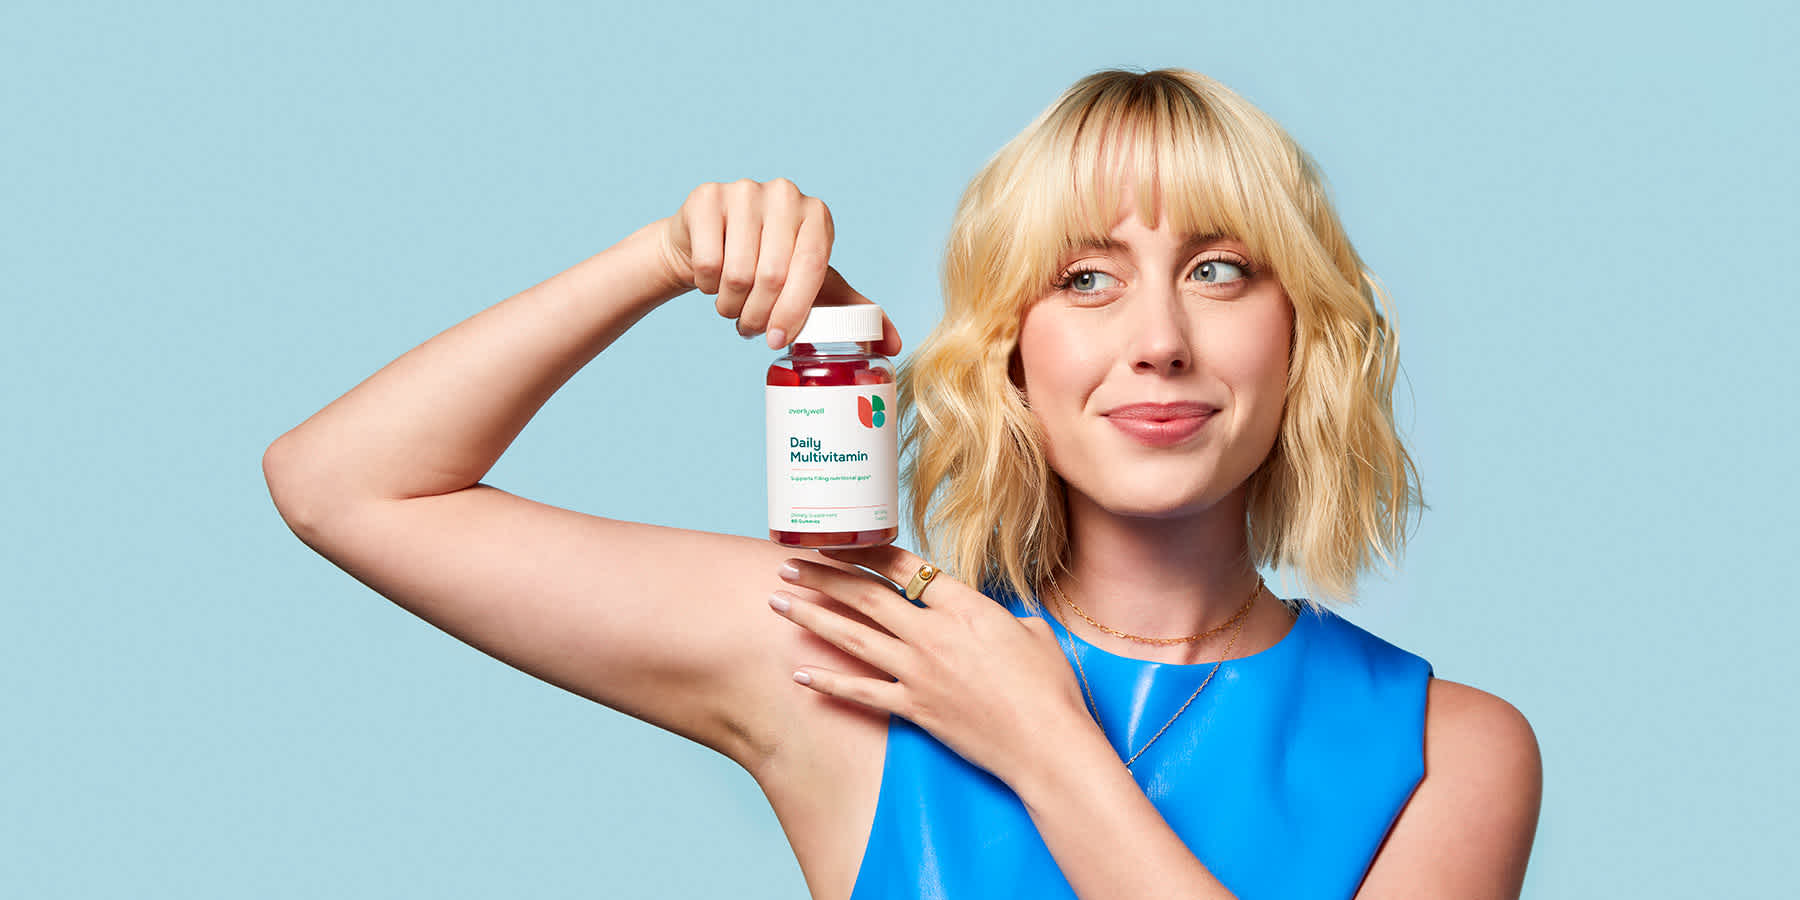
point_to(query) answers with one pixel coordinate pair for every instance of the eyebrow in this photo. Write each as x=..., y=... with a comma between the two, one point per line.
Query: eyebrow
x=1191, y=241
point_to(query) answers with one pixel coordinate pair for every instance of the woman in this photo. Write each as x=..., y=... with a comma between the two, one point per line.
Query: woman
x=1161, y=367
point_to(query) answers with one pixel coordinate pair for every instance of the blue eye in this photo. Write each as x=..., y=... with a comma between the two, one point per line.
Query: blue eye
x=1068, y=280
x=1207, y=269
x=1212, y=265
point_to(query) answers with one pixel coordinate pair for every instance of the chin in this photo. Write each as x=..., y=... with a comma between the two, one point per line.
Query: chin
x=1156, y=501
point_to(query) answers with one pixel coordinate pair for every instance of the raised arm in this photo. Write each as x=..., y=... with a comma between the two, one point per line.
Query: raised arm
x=436, y=419
x=665, y=624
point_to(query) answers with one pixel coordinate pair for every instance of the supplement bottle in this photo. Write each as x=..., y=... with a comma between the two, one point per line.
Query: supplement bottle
x=833, y=454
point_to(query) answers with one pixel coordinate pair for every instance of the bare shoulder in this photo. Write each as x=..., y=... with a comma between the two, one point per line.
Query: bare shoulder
x=1467, y=720
x=1468, y=828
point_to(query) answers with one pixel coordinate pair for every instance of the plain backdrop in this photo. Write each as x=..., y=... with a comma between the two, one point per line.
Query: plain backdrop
x=217, y=218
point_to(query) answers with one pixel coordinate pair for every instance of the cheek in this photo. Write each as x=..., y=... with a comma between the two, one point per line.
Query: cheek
x=1061, y=369
x=1258, y=352
x=1058, y=363
x=1265, y=359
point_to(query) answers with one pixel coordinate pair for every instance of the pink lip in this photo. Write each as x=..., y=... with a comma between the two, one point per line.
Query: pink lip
x=1161, y=411
x=1161, y=432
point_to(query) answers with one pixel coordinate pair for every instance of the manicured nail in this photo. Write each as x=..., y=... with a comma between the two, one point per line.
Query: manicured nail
x=789, y=571
x=777, y=339
x=780, y=601
x=803, y=678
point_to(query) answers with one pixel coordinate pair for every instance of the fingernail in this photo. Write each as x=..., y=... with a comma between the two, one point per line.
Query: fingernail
x=790, y=571
x=780, y=601
x=803, y=678
x=777, y=339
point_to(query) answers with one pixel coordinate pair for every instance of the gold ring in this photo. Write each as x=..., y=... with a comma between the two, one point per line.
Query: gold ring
x=916, y=586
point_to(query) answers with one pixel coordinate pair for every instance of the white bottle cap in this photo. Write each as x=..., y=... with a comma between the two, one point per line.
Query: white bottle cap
x=855, y=322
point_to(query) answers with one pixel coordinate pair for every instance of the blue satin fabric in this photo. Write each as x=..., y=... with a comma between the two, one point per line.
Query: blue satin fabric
x=1283, y=776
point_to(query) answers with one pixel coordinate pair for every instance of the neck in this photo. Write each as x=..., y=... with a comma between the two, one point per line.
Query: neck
x=1160, y=578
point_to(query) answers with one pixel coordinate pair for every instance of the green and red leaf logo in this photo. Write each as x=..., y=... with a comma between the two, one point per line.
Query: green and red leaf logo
x=871, y=410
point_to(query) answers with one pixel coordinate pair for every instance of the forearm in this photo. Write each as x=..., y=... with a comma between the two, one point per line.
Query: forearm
x=1107, y=837
x=436, y=419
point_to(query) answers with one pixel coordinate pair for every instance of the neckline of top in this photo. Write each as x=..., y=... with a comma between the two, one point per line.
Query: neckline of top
x=1287, y=642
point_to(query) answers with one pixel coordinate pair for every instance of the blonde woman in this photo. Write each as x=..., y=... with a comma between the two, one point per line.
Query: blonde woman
x=1161, y=368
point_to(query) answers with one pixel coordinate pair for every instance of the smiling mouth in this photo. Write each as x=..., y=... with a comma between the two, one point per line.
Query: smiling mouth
x=1162, y=432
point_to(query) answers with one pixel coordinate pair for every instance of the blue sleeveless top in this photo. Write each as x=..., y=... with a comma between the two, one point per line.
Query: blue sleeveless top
x=1283, y=776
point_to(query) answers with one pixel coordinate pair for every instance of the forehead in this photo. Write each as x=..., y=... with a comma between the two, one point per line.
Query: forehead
x=1184, y=207
x=1116, y=243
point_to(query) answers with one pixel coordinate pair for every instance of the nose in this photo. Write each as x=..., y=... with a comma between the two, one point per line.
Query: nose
x=1159, y=334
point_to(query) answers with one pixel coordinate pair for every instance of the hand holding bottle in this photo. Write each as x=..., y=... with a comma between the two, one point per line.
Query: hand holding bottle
x=763, y=248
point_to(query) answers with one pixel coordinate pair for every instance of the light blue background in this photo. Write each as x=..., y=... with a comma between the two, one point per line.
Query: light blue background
x=218, y=218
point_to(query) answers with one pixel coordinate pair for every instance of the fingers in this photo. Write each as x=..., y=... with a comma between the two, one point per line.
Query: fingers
x=857, y=591
x=890, y=337
x=783, y=215
x=743, y=236
x=764, y=250
x=890, y=561
x=868, y=644
x=883, y=696
x=806, y=273
x=703, y=218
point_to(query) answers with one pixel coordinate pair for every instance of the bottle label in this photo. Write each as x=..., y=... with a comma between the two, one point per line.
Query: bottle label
x=833, y=458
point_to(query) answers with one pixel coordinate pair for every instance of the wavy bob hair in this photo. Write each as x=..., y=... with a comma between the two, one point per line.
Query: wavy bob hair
x=1337, y=486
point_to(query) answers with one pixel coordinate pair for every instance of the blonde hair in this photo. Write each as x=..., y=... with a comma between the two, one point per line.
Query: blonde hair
x=1338, y=484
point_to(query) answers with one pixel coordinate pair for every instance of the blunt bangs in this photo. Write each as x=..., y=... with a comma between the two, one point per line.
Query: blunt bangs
x=1168, y=151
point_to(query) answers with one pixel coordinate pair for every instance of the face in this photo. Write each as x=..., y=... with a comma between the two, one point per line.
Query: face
x=1157, y=321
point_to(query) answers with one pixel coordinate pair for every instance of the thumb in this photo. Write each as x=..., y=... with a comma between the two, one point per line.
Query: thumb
x=838, y=292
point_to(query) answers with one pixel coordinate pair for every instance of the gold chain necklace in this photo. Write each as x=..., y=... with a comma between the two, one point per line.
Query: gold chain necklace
x=1237, y=617
x=1148, y=640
